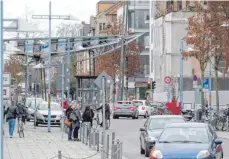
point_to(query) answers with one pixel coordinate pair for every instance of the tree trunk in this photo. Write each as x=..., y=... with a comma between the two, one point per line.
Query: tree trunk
x=217, y=84
x=202, y=92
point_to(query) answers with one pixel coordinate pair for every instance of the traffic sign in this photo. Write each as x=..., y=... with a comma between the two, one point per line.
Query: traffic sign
x=167, y=80
x=98, y=80
x=206, y=83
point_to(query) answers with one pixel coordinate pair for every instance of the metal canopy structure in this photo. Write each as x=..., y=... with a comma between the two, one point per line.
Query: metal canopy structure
x=97, y=45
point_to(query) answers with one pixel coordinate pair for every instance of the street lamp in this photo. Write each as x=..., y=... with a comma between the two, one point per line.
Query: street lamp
x=50, y=17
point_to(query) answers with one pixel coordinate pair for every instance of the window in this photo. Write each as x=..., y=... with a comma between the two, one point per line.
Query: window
x=179, y=5
x=100, y=26
x=104, y=26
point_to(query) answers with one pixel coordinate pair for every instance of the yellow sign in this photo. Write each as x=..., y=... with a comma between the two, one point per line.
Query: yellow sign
x=49, y=99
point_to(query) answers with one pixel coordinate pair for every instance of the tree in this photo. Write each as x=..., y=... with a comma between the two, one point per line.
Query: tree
x=110, y=63
x=218, y=12
x=198, y=36
x=14, y=65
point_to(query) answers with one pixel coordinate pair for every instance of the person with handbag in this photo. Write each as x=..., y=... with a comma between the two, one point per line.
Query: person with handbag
x=68, y=123
x=75, y=118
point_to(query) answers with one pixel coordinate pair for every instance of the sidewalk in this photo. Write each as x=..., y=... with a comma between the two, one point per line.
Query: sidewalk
x=223, y=134
x=39, y=144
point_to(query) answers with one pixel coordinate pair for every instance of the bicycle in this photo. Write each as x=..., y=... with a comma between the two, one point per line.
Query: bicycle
x=21, y=127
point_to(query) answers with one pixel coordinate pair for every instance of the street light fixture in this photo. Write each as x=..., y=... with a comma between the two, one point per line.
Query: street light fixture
x=50, y=17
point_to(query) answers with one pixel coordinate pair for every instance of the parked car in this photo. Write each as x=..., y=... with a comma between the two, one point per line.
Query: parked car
x=30, y=105
x=125, y=109
x=144, y=108
x=42, y=113
x=155, y=105
x=153, y=127
x=188, y=140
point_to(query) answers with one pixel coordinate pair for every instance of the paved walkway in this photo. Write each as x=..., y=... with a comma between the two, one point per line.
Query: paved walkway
x=39, y=144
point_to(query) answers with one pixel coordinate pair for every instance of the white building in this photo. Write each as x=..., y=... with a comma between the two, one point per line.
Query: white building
x=166, y=36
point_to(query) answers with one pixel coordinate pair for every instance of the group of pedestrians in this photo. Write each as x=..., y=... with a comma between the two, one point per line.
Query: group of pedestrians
x=13, y=112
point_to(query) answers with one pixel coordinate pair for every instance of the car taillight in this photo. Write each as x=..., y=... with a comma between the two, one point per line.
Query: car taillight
x=131, y=108
x=143, y=107
x=115, y=107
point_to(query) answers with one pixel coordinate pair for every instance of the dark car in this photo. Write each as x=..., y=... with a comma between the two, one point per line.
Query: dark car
x=125, y=109
x=188, y=140
x=153, y=127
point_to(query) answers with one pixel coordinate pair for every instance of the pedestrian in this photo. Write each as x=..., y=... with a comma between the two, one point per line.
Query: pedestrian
x=11, y=115
x=88, y=115
x=68, y=113
x=107, y=112
x=75, y=118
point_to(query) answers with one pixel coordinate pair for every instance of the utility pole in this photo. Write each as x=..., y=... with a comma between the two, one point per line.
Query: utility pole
x=122, y=64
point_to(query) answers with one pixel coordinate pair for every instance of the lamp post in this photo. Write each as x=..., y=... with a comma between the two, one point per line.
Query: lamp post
x=50, y=17
x=1, y=79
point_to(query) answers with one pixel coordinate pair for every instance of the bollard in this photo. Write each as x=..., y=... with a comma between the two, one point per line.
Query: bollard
x=59, y=154
x=93, y=139
x=102, y=153
x=114, y=152
x=90, y=139
x=118, y=149
x=86, y=134
x=102, y=142
x=107, y=147
x=97, y=141
x=83, y=129
x=113, y=138
x=80, y=132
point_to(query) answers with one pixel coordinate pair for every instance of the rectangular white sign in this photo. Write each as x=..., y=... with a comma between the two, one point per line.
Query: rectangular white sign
x=6, y=92
x=6, y=79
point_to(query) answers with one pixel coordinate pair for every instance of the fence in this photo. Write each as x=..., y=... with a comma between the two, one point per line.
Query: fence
x=108, y=146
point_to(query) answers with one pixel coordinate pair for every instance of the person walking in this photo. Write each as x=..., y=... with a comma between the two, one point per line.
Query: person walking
x=11, y=115
x=107, y=112
x=88, y=115
x=68, y=113
x=75, y=118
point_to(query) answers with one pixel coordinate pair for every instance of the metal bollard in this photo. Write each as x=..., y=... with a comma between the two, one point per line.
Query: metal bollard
x=97, y=140
x=83, y=130
x=113, y=138
x=93, y=139
x=59, y=154
x=86, y=134
x=107, y=146
x=90, y=139
x=118, y=149
x=102, y=142
x=80, y=132
x=102, y=153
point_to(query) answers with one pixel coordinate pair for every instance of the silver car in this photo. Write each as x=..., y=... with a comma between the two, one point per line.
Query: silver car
x=42, y=113
x=30, y=105
x=125, y=109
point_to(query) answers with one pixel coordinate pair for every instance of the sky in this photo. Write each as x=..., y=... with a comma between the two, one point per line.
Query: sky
x=81, y=9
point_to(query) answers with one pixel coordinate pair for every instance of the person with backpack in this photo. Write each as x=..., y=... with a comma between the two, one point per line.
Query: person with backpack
x=11, y=115
x=22, y=112
x=88, y=115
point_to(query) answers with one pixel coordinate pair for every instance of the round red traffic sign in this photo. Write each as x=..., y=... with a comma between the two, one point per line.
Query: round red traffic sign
x=167, y=80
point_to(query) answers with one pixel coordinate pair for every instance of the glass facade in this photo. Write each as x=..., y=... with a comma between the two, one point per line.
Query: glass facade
x=138, y=18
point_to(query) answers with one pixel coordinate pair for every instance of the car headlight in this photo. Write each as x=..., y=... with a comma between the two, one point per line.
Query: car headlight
x=150, y=138
x=156, y=154
x=203, y=154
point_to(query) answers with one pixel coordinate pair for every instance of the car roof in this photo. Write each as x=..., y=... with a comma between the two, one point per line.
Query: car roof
x=166, y=116
x=187, y=125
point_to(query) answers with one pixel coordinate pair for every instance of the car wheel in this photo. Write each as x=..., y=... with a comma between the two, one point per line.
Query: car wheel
x=146, y=152
x=133, y=117
x=146, y=115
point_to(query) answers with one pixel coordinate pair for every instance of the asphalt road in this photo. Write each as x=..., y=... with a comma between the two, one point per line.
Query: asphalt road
x=127, y=130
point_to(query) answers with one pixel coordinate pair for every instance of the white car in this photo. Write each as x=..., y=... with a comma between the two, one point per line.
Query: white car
x=144, y=108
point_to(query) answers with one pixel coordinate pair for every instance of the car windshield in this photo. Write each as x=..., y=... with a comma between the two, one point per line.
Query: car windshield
x=138, y=103
x=160, y=123
x=184, y=135
x=54, y=106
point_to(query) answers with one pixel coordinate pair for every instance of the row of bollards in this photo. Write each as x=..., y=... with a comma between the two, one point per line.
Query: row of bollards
x=95, y=140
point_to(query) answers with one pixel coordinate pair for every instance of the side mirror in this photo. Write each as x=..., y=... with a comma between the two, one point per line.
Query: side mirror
x=142, y=129
x=218, y=141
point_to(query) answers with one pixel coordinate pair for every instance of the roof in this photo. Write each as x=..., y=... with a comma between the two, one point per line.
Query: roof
x=187, y=125
x=166, y=116
x=107, y=1
x=111, y=10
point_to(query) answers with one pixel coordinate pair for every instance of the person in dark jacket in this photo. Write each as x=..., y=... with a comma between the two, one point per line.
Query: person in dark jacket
x=88, y=115
x=11, y=115
x=107, y=112
x=68, y=113
x=22, y=112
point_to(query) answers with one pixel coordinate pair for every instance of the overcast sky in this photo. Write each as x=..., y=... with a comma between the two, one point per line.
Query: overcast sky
x=81, y=9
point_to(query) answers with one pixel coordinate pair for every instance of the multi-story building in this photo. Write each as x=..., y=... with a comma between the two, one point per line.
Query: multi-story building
x=168, y=23
x=138, y=22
